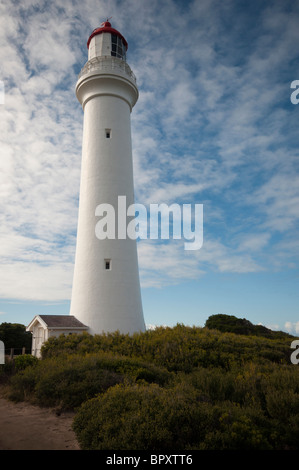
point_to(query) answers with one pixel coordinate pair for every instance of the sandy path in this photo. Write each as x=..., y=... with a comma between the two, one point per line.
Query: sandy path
x=27, y=427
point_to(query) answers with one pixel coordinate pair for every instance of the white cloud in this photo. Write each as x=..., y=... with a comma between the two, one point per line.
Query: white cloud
x=165, y=264
x=40, y=159
x=292, y=327
x=279, y=198
x=209, y=127
x=34, y=281
x=225, y=259
x=253, y=242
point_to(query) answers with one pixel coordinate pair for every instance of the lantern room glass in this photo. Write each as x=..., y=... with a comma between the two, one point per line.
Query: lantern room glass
x=118, y=48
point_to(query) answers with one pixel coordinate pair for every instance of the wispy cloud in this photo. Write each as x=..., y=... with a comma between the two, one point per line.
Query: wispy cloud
x=292, y=327
x=213, y=125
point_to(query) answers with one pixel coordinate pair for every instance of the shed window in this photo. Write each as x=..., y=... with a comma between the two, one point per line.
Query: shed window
x=107, y=264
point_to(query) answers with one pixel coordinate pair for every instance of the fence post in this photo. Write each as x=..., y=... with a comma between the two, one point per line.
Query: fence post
x=23, y=350
x=11, y=353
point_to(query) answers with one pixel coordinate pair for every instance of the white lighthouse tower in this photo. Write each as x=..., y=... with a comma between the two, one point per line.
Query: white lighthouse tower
x=106, y=289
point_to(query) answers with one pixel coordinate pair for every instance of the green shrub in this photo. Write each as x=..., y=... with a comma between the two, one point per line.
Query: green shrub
x=65, y=383
x=241, y=326
x=14, y=335
x=180, y=348
x=141, y=417
x=172, y=388
x=70, y=380
x=160, y=420
x=136, y=369
x=237, y=428
x=25, y=360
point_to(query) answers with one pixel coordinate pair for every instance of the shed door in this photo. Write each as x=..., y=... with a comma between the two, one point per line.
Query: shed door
x=40, y=337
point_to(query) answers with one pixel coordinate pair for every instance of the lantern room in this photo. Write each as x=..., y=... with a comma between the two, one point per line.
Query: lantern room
x=106, y=41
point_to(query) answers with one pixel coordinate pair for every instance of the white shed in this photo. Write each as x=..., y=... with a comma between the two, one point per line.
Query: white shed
x=44, y=327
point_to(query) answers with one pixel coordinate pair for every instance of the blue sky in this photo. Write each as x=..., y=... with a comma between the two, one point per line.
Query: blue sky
x=214, y=125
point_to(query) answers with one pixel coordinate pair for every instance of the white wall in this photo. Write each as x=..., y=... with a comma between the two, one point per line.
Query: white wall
x=40, y=335
x=106, y=300
x=100, y=45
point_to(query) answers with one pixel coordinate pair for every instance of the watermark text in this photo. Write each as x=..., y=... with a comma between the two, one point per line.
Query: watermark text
x=160, y=222
x=295, y=354
x=294, y=94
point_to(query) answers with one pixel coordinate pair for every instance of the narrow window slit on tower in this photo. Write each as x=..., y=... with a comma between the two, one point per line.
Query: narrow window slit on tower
x=107, y=264
x=108, y=133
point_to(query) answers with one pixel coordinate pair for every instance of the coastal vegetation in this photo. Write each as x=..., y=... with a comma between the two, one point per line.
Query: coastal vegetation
x=171, y=388
x=15, y=336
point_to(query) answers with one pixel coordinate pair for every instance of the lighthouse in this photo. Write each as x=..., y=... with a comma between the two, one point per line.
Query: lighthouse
x=106, y=288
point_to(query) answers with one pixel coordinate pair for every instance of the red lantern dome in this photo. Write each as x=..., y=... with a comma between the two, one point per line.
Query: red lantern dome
x=106, y=28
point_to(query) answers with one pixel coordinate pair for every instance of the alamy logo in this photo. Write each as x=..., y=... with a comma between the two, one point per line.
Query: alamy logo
x=294, y=95
x=2, y=353
x=295, y=354
x=186, y=223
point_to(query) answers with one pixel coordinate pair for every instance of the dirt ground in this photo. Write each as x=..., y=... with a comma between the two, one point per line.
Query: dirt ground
x=27, y=427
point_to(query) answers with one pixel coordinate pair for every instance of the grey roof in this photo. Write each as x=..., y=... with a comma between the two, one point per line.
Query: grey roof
x=62, y=321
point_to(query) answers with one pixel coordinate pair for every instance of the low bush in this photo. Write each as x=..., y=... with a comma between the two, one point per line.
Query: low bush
x=160, y=420
x=25, y=360
x=140, y=417
x=178, y=388
x=180, y=348
x=70, y=380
